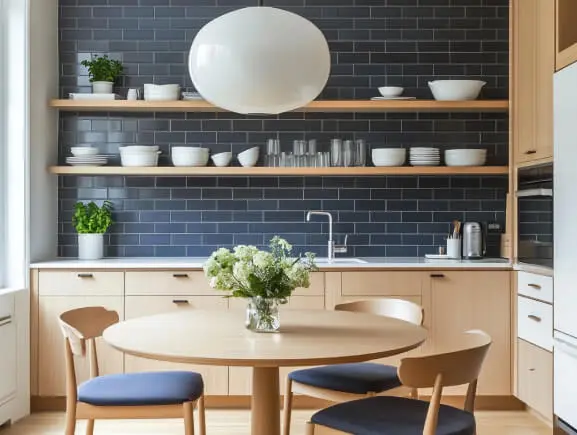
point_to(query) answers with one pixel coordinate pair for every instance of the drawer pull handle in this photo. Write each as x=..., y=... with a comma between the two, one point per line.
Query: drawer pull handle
x=534, y=317
x=437, y=275
x=535, y=286
x=85, y=275
x=180, y=275
x=180, y=302
x=5, y=320
x=531, y=370
x=531, y=152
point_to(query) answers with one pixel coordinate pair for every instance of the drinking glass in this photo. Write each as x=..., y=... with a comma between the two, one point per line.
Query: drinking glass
x=360, y=152
x=311, y=153
x=272, y=157
x=348, y=153
x=336, y=152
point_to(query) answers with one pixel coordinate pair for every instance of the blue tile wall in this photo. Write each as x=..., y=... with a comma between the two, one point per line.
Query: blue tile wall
x=373, y=43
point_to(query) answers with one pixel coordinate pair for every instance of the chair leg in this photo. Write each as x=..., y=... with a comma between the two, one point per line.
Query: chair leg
x=287, y=408
x=414, y=393
x=188, y=418
x=201, y=415
x=70, y=419
x=90, y=427
x=310, y=429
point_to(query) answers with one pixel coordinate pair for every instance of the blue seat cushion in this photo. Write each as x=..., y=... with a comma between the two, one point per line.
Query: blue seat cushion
x=141, y=389
x=392, y=416
x=360, y=378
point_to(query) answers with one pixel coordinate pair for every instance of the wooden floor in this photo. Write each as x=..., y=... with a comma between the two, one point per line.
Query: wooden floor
x=232, y=422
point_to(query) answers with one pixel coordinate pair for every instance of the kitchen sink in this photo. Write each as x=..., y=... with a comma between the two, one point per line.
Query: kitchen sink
x=340, y=261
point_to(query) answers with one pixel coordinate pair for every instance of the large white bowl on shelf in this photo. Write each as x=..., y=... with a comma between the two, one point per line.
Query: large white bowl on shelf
x=456, y=90
x=248, y=158
x=465, y=157
x=139, y=156
x=389, y=156
x=161, y=92
x=189, y=156
x=222, y=159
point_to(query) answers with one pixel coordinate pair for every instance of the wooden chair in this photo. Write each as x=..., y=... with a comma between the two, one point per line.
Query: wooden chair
x=344, y=382
x=150, y=395
x=399, y=415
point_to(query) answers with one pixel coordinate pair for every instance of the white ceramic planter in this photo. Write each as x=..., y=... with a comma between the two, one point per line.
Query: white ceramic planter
x=102, y=87
x=90, y=246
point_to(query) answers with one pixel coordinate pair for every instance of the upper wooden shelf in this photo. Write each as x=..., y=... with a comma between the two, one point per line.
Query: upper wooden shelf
x=264, y=170
x=315, y=106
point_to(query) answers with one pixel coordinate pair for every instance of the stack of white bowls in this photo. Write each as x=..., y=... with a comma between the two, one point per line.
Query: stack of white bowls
x=139, y=156
x=249, y=157
x=86, y=156
x=465, y=157
x=389, y=156
x=425, y=156
x=189, y=156
x=161, y=92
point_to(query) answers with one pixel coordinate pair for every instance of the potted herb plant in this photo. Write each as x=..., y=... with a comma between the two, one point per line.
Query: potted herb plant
x=91, y=222
x=103, y=72
x=265, y=278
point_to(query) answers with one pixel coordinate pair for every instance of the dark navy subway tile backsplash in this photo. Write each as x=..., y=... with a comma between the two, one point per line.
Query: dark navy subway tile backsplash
x=373, y=43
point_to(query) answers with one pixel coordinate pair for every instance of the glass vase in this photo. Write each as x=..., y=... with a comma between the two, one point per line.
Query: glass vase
x=262, y=315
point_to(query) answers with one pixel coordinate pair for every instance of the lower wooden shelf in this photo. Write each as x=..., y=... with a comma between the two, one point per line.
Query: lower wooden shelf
x=269, y=171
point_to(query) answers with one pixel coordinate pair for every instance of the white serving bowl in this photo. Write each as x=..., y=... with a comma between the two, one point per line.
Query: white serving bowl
x=139, y=148
x=391, y=91
x=248, y=158
x=456, y=90
x=161, y=92
x=139, y=158
x=465, y=157
x=389, y=156
x=83, y=151
x=188, y=156
x=222, y=159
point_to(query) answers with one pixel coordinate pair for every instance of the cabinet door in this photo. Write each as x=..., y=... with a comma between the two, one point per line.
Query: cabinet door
x=51, y=370
x=7, y=358
x=533, y=68
x=535, y=378
x=215, y=378
x=462, y=301
x=240, y=382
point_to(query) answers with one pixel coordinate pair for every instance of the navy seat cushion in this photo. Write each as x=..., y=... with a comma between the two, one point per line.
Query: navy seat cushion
x=358, y=378
x=384, y=415
x=141, y=389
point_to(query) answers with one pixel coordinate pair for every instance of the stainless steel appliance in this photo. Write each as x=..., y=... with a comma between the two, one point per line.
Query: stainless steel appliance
x=535, y=211
x=473, y=240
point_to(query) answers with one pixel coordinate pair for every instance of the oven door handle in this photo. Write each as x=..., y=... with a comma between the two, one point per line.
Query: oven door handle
x=534, y=192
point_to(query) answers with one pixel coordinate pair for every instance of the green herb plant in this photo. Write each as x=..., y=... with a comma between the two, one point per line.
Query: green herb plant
x=103, y=69
x=91, y=219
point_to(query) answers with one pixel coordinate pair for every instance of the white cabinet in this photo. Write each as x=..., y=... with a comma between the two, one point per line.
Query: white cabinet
x=7, y=349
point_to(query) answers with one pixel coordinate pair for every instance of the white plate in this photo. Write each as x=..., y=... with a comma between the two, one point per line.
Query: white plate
x=87, y=164
x=392, y=98
x=439, y=257
x=424, y=164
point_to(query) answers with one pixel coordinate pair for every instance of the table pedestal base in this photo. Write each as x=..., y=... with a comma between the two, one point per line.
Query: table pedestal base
x=265, y=401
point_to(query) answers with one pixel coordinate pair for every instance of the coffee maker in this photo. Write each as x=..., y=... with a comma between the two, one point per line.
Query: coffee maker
x=482, y=240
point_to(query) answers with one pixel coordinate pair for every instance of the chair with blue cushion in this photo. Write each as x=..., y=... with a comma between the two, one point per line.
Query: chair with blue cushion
x=344, y=382
x=151, y=395
x=388, y=415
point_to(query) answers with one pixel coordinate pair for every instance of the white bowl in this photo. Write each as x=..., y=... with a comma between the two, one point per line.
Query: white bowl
x=391, y=91
x=389, y=156
x=139, y=159
x=456, y=90
x=188, y=156
x=222, y=159
x=248, y=158
x=84, y=151
x=161, y=92
x=139, y=148
x=465, y=157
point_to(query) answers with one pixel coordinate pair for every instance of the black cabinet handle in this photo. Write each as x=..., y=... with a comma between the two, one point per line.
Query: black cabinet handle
x=180, y=302
x=437, y=275
x=180, y=275
x=531, y=152
x=535, y=286
x=534, y=317
x=85, y=275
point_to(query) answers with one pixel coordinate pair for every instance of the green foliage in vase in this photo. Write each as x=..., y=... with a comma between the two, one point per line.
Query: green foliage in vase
x=91, y=219
x=248, y=272
x=103, y=69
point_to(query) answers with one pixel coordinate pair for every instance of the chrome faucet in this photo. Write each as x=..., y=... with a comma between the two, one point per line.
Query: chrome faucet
x=332, y=249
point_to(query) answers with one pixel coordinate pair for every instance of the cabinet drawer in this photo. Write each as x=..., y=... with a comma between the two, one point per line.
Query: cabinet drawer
x=535, y=286
x=535, y=322
x=169, y=283
x=535, y=378
x=317, y=287
x=381, y=283
x=80, y=283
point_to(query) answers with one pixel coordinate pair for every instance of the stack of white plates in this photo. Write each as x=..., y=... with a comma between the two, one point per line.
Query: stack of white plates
x=191, y=96
x=389, y=156
x=465, y=157
x=425, y=156
x=94, y=160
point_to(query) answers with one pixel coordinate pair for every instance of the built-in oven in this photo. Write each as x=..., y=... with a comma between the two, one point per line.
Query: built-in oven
x=535, y=215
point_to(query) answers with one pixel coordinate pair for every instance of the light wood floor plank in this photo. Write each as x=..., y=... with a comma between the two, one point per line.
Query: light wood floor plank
x=232, y=422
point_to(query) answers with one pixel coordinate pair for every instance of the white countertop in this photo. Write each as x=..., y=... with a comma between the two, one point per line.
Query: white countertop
x=196, y=263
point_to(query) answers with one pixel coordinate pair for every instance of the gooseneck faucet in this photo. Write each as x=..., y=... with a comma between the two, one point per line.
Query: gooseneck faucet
x=331, y=244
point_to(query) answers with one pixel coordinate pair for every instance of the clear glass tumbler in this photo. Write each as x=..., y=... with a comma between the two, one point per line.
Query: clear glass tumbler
x=336, y=152
x=360, y=152
x=348, y=153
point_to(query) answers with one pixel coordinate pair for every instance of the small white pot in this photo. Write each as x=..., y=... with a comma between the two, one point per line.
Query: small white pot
x=90, y=246
x=102, y=87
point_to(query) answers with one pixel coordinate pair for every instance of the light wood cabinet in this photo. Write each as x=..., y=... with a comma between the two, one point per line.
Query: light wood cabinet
x=86, y=283
x=381, y=283
x=461, y=301
x=51, y=373
x=533, y=65
x=215, y=378
x=535, y=378
x=566, y=33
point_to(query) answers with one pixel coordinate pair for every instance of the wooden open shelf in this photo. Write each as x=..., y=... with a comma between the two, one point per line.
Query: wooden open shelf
x=315, y=106
x=262, y=170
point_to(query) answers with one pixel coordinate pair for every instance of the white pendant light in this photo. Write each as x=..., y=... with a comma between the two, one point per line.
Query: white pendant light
x=259, y=60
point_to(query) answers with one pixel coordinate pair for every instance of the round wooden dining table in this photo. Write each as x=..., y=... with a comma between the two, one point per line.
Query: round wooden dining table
x=306, y=338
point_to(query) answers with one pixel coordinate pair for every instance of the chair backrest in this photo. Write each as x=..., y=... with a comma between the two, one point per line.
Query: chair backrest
x=387, y=307
x=459, y=367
